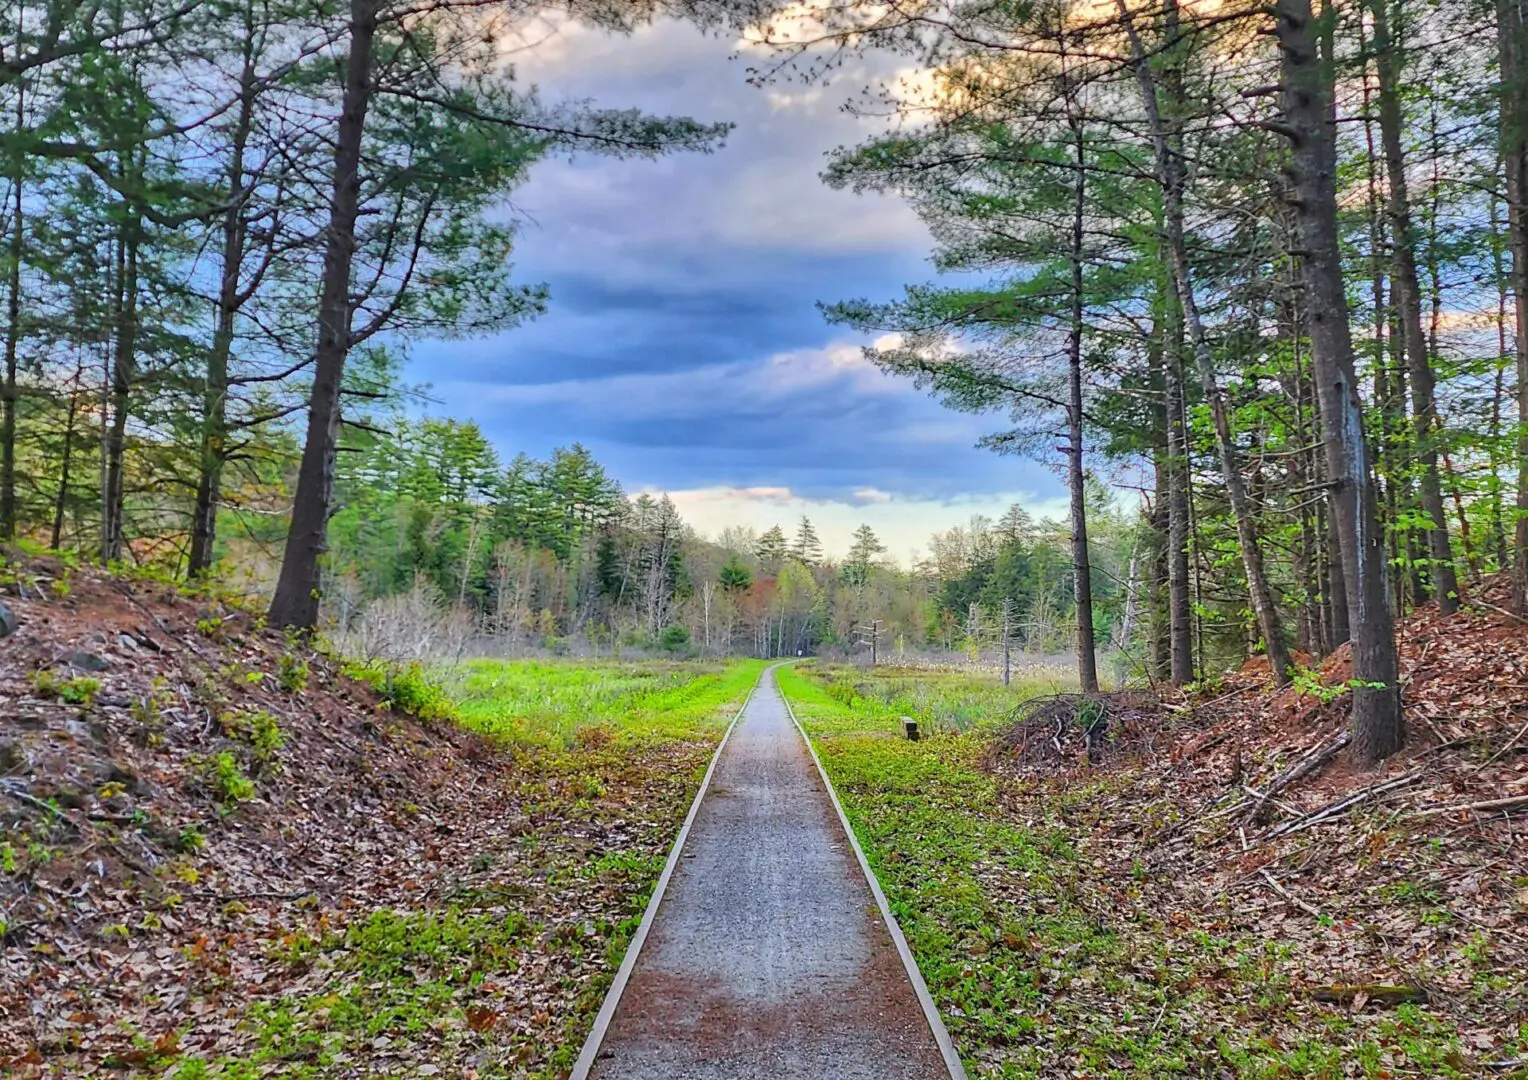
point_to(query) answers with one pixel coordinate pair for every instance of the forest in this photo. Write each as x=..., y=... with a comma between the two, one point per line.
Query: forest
x=1251, y=279
x=343, y=738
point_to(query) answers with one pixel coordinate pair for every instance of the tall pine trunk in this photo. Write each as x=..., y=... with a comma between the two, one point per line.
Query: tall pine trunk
x=66, y=459
x=1170, y=176
x=1179, y=608
x=1082, y=571
x=123, y=371
x=214, y=437
x=1512, y=46
x=12, y=335
x=1408, y=301
x=295, y=603
x=1378, y=730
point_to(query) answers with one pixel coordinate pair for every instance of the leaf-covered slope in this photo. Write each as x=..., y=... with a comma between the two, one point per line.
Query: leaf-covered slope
x=221, y=856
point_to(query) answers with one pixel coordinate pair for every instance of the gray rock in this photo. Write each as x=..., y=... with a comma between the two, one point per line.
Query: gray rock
x=128, y=642
x=88, y=661
x=8, y=621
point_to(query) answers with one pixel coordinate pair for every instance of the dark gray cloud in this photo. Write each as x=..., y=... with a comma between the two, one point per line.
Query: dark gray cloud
x=683, y=344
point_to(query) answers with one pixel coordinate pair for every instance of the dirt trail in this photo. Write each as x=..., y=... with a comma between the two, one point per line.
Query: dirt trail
x=768, y=957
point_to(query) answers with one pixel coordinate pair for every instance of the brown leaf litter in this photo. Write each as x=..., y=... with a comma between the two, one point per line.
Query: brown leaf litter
x=146, y=912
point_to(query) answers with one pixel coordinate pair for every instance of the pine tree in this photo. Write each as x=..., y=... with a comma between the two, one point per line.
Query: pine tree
x=734, y=576
x=806, y=548
x=863, y=553
x=772, y=548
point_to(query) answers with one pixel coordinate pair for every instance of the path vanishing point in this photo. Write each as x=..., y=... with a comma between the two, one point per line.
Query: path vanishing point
x=767, y=953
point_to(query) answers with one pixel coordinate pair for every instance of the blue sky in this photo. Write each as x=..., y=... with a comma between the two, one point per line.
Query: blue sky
x=683, y=345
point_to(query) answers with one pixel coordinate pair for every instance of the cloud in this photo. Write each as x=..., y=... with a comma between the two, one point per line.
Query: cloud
x=683, y=345
x=903, y=524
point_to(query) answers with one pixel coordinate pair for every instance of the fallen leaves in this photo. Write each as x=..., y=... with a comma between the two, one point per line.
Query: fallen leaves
x=147, y=923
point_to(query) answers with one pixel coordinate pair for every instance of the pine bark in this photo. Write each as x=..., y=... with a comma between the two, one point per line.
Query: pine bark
x=1407, y=287
x=1082, y=571
x=123, y=372
x=1512, y=48
x=214, y=435
x=1179, y=609
x=1378, y=728
x=12, y=337
x=296, y=601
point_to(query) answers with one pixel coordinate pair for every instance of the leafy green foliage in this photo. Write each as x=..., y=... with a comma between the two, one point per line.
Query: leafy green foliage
x=227, y=779
x=292, y=673
x=79, y=690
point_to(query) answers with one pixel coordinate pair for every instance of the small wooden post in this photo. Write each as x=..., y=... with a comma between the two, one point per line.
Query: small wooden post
x=910, y=726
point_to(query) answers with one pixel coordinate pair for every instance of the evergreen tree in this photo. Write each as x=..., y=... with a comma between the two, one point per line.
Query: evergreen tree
x=772, y=549
x=806, y=548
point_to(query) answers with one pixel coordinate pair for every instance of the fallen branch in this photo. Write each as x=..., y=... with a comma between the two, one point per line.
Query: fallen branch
x=1316, y=817
x=1475, y=807
x=1312, y=761
x=1499, y=610
x=1287, y=895
x=48, y=808
x=1502, y=752
x=1379, y=995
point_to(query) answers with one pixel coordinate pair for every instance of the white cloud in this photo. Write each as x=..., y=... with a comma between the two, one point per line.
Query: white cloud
x=697, y=392
x=832, y=363
x=903, y=524
x=761, y=191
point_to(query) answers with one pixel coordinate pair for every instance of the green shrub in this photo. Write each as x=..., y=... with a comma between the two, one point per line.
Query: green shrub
x=407, y=688
x=674, y=639
x=80, y=691
x=227, y=778
x=260, y=729
x=292, y=674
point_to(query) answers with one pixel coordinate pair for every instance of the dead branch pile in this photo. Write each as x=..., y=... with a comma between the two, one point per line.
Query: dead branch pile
x=1063, y=729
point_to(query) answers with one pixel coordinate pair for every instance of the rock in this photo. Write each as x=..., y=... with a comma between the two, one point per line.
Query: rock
x=88, y=661
x=8, y=621
x=128, y=642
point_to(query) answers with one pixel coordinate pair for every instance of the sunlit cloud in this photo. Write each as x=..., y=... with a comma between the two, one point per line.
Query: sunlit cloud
x=902, y=523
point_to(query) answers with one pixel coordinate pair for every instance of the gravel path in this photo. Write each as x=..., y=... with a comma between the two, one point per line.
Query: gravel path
x=768, y=957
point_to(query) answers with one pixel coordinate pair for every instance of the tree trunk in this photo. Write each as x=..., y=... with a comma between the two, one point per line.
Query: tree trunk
x=1498, y=392
x=1512, y=44
x=295, y=604
x=214, y=441
x=1169, y=170
x=124, y=361
x=1378, y=729
x=1408, y=301
x=1082, y=571
x=66, y=458
x=1179, y=609
x=12, y=337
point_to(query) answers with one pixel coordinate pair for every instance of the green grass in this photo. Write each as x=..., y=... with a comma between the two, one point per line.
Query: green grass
x=1043, y=963
x=548, y=703
x=502, y=975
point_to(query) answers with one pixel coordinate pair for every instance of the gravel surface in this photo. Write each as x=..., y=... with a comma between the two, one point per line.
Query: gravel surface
x=768, y=957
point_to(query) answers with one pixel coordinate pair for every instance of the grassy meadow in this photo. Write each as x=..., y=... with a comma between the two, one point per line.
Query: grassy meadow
x=550, y=703
x=1044, y=956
